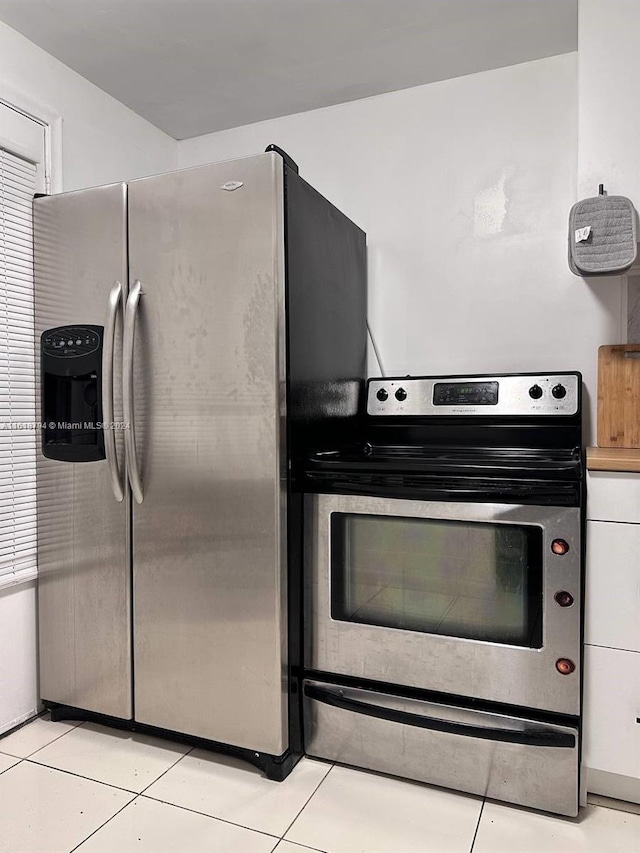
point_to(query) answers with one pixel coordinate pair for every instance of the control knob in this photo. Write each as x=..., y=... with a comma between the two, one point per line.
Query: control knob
x=560, y=547
x=382, y=395
x=564, y=598
x=401, y=394
x=559, y=391
x=535, y=392
x=565, y=666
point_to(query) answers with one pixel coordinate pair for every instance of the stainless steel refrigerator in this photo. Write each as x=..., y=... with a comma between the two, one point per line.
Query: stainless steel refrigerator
x=199, y=332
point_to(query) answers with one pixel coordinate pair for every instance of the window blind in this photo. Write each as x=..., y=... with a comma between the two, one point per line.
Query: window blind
x=17, y=372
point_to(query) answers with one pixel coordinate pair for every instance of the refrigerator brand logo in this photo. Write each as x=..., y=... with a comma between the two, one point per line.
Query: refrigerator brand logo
x=230, y=186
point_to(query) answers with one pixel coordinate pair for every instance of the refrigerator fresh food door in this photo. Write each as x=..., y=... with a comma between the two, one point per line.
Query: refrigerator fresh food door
x=204, y=368
x=84, y=600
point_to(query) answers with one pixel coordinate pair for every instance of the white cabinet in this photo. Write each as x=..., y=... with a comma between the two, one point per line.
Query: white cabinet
x=612, y=595
x=611, y=745
x=612, y=705
x=613, y=496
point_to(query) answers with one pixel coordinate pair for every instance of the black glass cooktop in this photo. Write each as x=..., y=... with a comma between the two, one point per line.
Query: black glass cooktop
x=459, y=460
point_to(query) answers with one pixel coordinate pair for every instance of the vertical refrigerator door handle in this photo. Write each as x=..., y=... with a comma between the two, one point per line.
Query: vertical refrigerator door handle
x=133, y=469
x=113, y=303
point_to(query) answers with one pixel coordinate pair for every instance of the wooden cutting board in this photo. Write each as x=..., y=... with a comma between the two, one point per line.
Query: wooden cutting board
x=619, y=396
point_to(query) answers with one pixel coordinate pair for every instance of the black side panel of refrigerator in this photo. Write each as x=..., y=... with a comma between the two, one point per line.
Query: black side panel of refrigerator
x=326, y=292
x=327, y=319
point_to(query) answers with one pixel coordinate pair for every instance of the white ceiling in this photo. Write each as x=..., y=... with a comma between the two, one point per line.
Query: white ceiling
x=196, y=66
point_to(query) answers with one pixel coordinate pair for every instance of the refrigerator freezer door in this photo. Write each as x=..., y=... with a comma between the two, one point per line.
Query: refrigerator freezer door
x=209, y=540
x=80, y=246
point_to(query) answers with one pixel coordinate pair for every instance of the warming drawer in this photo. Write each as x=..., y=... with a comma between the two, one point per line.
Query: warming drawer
x=506, y=758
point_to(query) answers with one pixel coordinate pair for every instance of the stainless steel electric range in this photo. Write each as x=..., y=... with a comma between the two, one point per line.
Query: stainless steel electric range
x=443, y=578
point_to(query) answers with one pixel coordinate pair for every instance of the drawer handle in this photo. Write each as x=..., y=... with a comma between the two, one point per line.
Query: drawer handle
x=527, y=737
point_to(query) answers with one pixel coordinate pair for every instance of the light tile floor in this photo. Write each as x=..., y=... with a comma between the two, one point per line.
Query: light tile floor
x=66, y=787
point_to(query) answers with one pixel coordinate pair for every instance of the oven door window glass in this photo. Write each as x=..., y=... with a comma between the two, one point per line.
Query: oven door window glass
x=472, y=580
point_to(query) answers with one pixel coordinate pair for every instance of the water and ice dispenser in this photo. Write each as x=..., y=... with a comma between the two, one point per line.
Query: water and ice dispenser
x=71, y=388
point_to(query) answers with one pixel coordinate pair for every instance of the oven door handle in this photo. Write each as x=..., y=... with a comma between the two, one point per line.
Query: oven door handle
x=526, y=737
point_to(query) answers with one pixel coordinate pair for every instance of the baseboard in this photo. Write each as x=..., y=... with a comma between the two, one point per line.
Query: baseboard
x=610, y=803
x=19, y=721
x=613, y=785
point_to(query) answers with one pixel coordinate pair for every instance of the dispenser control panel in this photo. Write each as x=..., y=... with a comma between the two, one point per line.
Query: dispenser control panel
x=70, y=341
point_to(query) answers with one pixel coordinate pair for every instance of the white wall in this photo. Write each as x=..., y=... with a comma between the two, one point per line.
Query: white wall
x=102, y=140
x=18, y=655
x=609, y=88
x=464, y=188
x=609, y=117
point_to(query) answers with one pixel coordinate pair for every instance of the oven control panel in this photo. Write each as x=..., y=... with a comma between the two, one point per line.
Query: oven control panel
x=511, y=394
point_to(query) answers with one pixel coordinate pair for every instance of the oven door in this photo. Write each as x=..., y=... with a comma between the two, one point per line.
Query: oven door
x=459, y=598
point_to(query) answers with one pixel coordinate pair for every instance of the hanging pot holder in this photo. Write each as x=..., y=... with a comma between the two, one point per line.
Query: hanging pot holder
x=603, y=237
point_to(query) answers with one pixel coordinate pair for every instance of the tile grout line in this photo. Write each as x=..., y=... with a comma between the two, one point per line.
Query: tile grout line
x=300, y=844
x=98, y=828
x=313, y=793
x=80, y=776
x=184, y=755
x=143, y=793
x=137, y=794
x=30, y=760
x=26, y=757
x=63, y=734
x=212, y=817
x=19, y=761
x=18, y=757
x=484, y=800
x=100, y=781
